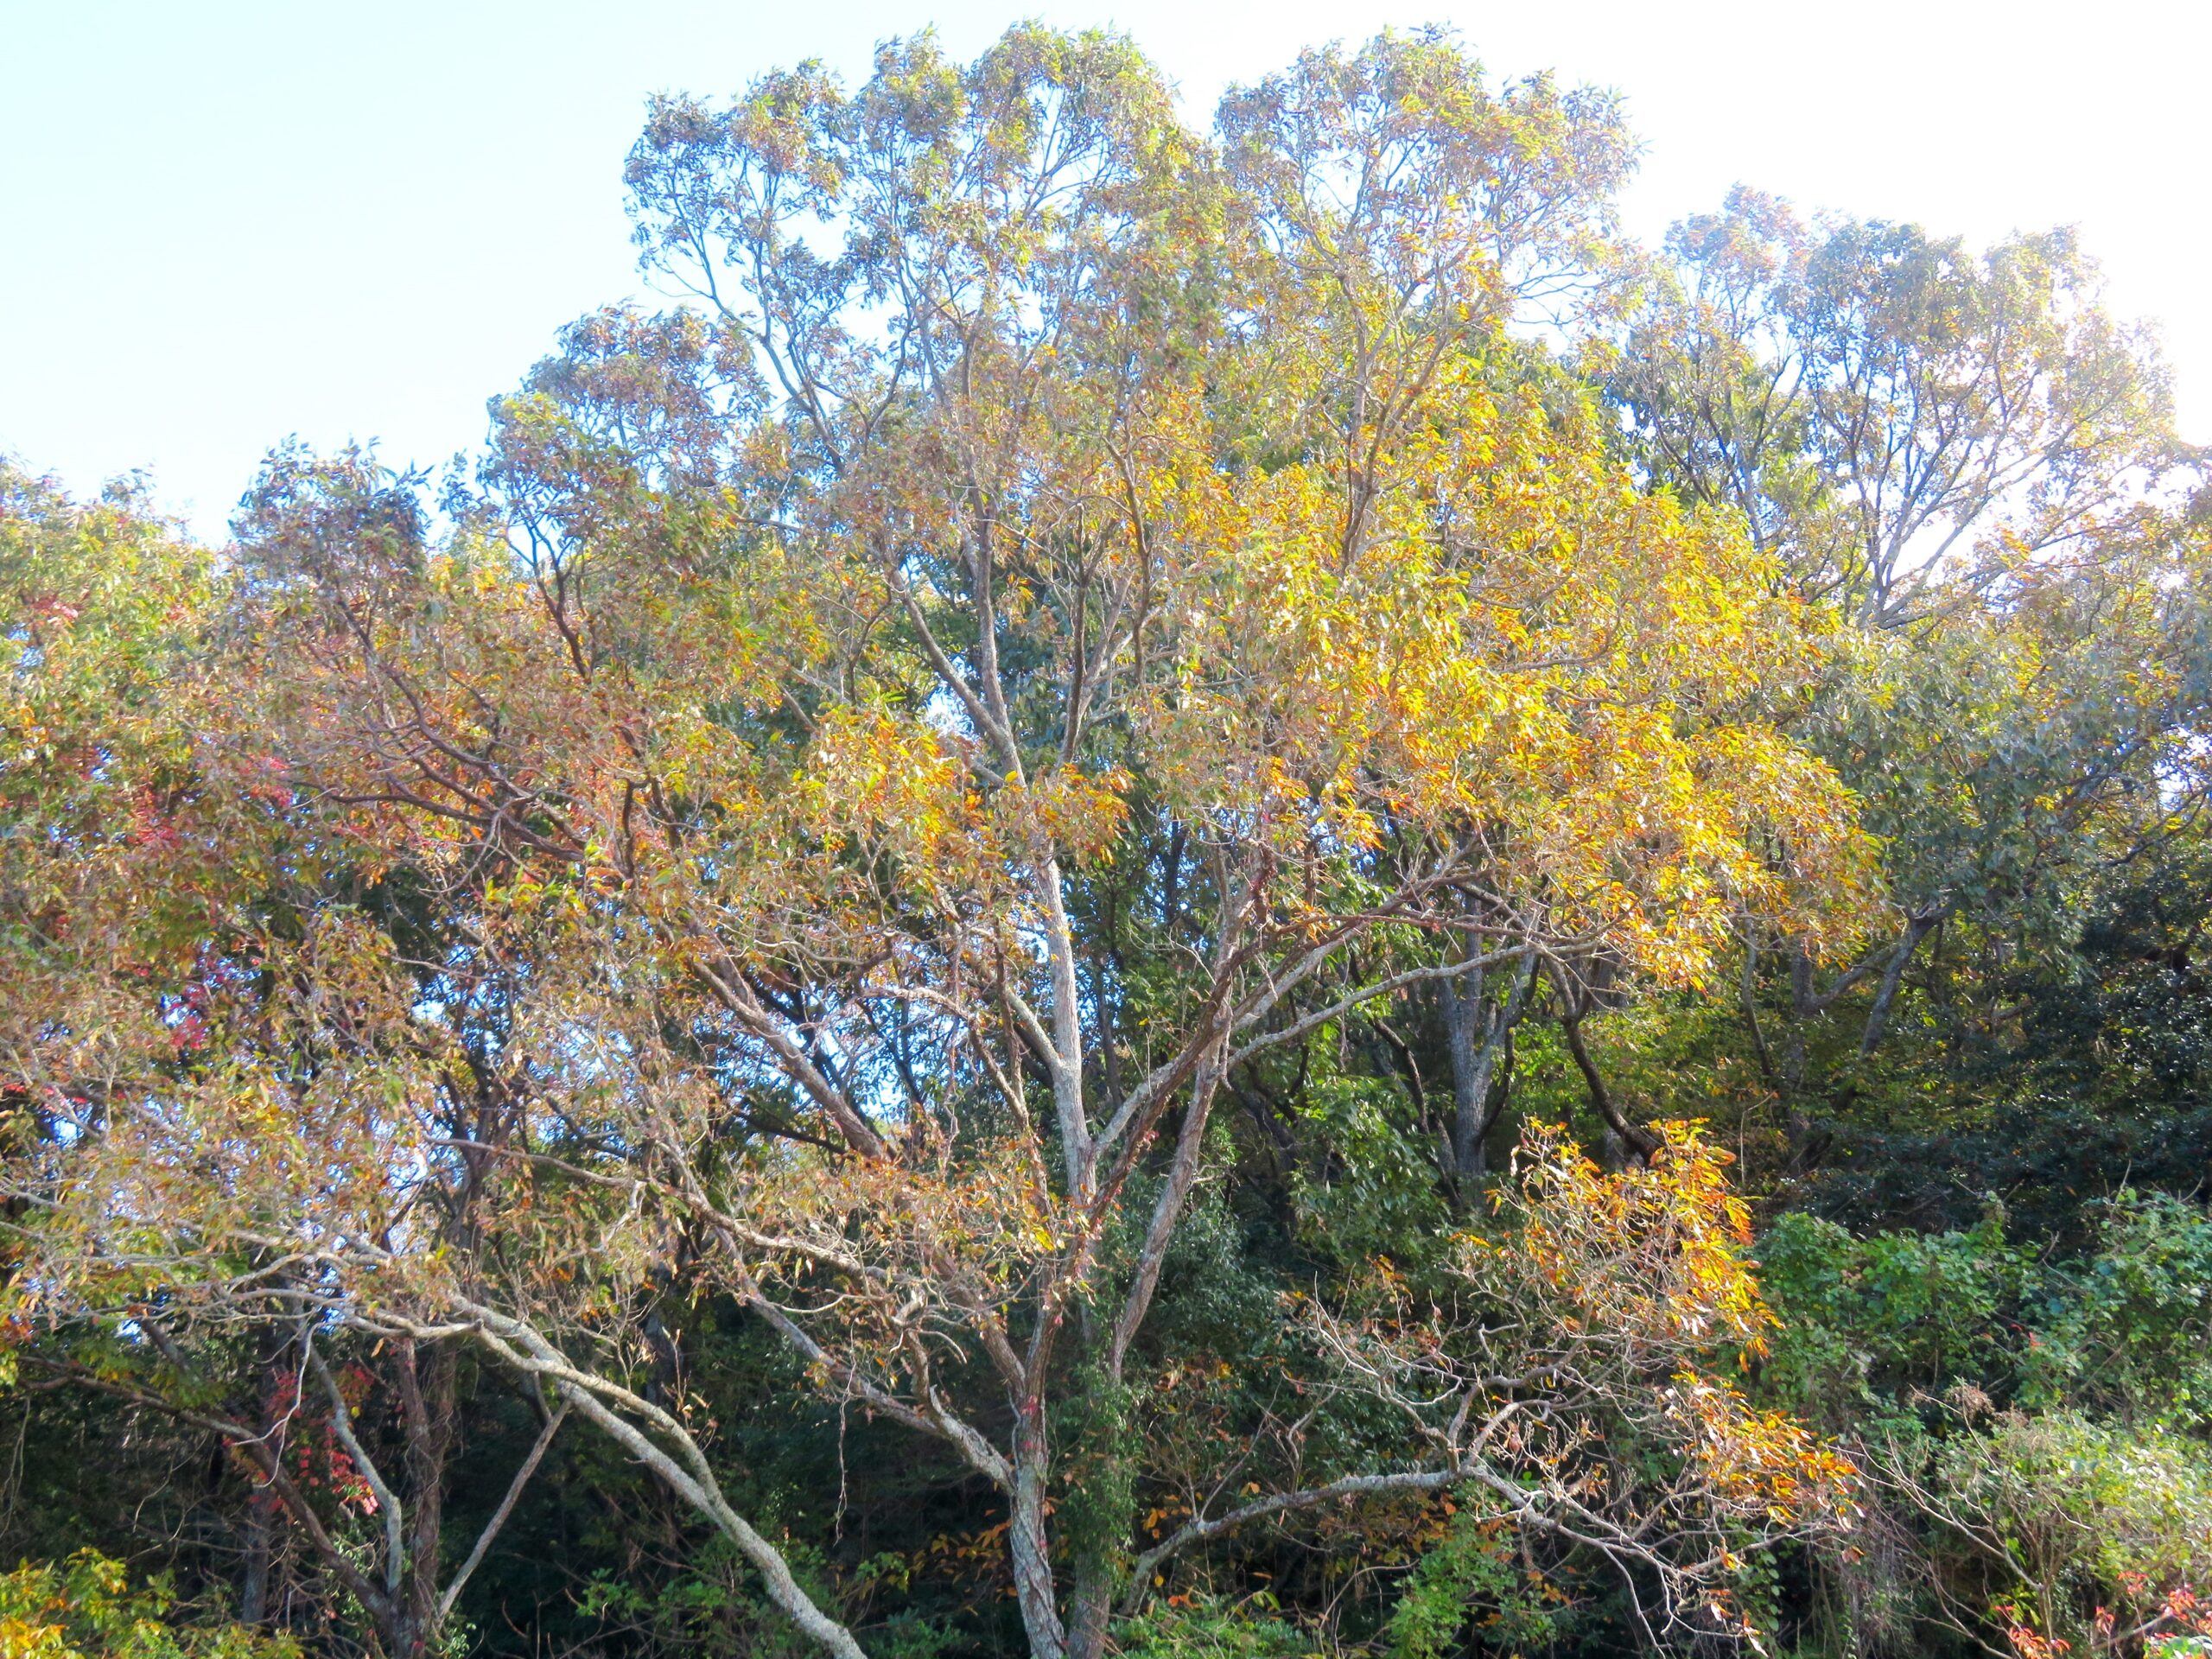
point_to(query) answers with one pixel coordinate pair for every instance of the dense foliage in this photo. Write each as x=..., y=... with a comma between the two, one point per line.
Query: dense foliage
x=1162, y=893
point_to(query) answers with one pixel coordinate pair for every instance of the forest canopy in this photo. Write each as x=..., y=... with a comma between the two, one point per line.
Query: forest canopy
x=1158, y=891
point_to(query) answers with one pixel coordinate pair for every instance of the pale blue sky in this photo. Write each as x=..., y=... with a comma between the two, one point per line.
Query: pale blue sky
x=223, y=222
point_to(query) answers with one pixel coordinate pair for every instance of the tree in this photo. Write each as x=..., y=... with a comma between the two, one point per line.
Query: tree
x=1900, y=418
x=1074, y=609
x=1970, y=465
x=180, y=964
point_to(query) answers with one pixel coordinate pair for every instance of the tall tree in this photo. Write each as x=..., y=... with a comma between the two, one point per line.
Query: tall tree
x=1073, y=609
x=1970, y=465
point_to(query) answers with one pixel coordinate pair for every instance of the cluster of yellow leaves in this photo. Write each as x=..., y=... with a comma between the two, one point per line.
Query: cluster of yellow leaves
x=1065, y=809
x=1513, y=643
x=987, y=1213
x=893, y=784
x=1651, y=1260
x=1654, y=1251
x=85, y=1608
x=1760, y=1459
x=243, y=1147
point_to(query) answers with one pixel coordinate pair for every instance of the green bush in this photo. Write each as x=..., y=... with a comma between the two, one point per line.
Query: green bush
x=85, y=1608
x=1205, y=1627
x=2129, y=1333
x=2068, y=1516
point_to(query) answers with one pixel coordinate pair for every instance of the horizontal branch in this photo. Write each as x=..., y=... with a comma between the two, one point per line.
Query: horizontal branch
x=1198, y=1531
x=1380, y=988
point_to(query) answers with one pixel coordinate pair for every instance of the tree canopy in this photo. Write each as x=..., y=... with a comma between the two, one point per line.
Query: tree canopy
x=1159, y=892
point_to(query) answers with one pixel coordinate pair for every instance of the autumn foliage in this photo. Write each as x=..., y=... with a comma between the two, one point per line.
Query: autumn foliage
x=948, y=844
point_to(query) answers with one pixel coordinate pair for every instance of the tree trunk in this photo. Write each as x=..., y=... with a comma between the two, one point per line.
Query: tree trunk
x=427, y=1396
x=1466, y=1038
x=1878, y=1017
x=1027, y=1538
x=1477, y=1030
x=260, y=1556
x=1090, y=1606
x=1639, y=1139
x=264, y=1509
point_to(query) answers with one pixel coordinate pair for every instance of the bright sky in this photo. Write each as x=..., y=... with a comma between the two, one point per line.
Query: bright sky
x=225, y=222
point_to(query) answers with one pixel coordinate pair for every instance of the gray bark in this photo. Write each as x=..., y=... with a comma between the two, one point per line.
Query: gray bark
x=1633, y=1136
x=1878, y=1017
x=1477, y=1028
